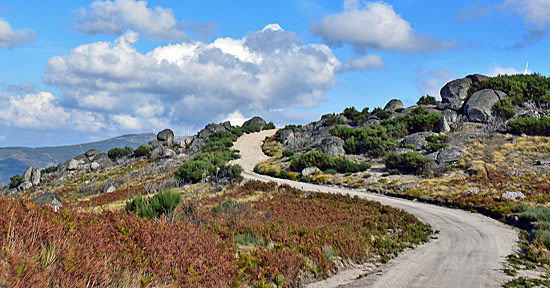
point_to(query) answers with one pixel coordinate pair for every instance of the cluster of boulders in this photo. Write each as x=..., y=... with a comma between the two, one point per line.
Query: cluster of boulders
x=92, y=160
x=31, y=176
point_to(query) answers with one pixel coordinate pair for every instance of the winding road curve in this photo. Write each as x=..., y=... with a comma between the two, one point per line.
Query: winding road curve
x=468, y=251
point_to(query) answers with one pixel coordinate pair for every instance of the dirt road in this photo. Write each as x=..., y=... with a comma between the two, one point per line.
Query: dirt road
x=468, y=251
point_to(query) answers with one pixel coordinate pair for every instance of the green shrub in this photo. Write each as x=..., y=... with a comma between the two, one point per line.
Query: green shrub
x=234, y=173
x=531, y=126
x=117, y=153
x=426, y=100
x=409, y=162
x=331, y=171
x=410, y=146
x=142, y=150
x=194, y=170
x=324, y=162
x=505, y=108
x=48, y=170
x=15, y=181
x=269, y=126
x=288, y=153
x=283, y=174
x=520, y=88
x=436, y=147
x=163, y=202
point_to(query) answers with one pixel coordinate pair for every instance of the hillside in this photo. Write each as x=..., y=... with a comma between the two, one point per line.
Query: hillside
x=483, y=148
x=14, y=160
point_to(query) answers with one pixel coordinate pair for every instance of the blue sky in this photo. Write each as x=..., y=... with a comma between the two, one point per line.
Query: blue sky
x=79, y=71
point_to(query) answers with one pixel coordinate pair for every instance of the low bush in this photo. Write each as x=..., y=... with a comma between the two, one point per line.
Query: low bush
x=288, y=153
x=117, y=153
x=48, y=170
x=15, y=181
x=426, y=100
x=531, y=126
x=269, y=126
x=142, y=151
x=505, y=108
x=163, y=202
x=409, y=162
x=194, y=171
x=234, y=173
x=324, y=162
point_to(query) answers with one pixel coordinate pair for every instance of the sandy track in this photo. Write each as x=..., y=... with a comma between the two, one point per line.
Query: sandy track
x=468, y=251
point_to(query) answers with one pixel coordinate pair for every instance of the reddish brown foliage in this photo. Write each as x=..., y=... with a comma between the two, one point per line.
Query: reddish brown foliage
x=106, y=249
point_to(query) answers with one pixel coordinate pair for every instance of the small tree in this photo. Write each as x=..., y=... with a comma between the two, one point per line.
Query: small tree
x=117, y=153
x=426, y=100
x=142, y=151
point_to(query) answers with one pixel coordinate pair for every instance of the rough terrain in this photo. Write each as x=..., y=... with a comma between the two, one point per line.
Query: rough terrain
x=467, y=252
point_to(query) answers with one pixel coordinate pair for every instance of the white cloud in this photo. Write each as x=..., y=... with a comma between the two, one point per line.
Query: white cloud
x=369, y=61
x=235, y=118
x=118, y=16
x=38, y=111
x=496, y=70
x=41, y=111
x=10, y=37
x=190, y=84
x=429, y=82
x=375, y=25
x=127, y=122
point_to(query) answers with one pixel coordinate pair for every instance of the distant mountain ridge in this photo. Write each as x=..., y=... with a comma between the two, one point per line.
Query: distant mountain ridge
x=14, y=160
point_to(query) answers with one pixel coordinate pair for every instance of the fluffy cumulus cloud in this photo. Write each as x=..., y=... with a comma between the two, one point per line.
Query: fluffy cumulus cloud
x=192, y=83
x=430, y=81
x=117, y=17
x=10, y=37
x=375, y=25
x=41, y=111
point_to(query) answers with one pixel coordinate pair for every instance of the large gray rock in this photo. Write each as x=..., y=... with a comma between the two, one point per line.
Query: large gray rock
x=35, y=176
x=310, y=170
x=168, y=153
x=417, y=139
x=333, y=146
x=156, y=153
x=27, y=175
x=455, y=92
x=372, y=120
x=195, y=146
x=24, y=185
x=109, y=188
x=92, y=154
x=72, y=164
x=450, y=155
x=477, y=78
x=255, y=121
x=166, y=135
x=49, y=199
x=444, y=126
x=227, y=125
x=210, y=130
x=393, y=104
x=285, y=135
x=513, y=196
x=479, y=107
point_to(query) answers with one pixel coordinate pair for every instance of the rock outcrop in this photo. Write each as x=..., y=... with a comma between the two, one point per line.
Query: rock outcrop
x=393, y=105
x=454, y=93
x=333, y=146
x=166, y=135
x=255, y=121
x=479, y=107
